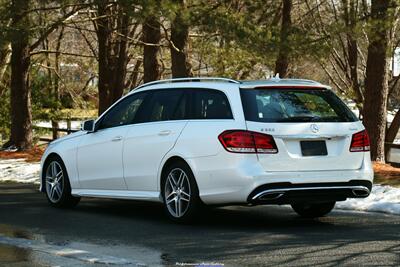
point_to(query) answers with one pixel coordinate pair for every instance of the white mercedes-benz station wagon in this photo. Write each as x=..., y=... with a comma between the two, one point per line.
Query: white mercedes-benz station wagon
x=213, y=141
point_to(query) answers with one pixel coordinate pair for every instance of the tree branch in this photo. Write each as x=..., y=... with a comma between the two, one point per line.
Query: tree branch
x=54, y=26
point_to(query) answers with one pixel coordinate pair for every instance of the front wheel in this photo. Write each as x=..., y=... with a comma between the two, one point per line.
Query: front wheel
x=58, y=188
x=180, y=193
x=313, y=210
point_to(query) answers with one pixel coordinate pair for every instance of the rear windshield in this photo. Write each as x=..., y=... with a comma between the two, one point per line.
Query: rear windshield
x=294, y=105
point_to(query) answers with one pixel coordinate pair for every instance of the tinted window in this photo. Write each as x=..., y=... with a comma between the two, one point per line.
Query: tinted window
x=167, y=104
x=294, y=105
x=210, y=104
x=124, y=112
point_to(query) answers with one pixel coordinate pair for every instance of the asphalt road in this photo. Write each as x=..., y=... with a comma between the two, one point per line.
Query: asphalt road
x=232, y=236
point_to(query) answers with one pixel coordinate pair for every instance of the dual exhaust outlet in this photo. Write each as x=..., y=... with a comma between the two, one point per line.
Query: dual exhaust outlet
x=274, y=194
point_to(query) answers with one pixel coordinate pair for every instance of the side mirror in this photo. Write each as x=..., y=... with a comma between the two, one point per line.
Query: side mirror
x=88, y=126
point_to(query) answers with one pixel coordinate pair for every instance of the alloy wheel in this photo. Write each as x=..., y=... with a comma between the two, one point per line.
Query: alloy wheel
x=177, y=192
x=54, y=181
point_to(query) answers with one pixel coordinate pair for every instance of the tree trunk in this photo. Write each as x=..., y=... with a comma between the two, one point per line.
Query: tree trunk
x=353, y=62
x=21, y=117
x=103, y=36
x=181, y=66
x=134, y=77
x=112, y=53
x=121, y=55
x=282, y=62
x=151, y=38
x=376, y=83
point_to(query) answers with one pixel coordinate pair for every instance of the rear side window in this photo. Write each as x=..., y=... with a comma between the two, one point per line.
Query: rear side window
x=294, y=105
x=210, y=104
x=168, y=104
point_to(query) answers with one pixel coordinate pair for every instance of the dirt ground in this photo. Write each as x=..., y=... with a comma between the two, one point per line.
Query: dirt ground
x=31, y=155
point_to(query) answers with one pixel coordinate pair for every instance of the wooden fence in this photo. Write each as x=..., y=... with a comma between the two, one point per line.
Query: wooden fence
x=55, y=129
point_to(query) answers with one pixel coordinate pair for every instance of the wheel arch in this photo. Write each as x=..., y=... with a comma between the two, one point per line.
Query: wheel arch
x=167, y=163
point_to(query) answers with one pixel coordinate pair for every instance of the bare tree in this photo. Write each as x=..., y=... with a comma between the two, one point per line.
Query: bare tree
x=345, y=65
x=22, y=45
x=350, y=14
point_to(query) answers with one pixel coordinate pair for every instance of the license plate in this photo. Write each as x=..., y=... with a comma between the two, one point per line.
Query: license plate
x=313, y=148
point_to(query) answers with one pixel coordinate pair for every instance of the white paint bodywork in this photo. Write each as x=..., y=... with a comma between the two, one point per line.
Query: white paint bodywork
x=98, y=165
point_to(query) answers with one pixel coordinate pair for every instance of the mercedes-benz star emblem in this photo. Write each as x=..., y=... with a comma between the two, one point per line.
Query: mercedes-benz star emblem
x=314, y=128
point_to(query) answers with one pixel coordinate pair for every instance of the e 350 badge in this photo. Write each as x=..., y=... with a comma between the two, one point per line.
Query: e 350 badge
x=268, y=130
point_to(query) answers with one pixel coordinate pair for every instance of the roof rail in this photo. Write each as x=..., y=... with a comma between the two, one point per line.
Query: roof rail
x=279, y=82
x=191, y=79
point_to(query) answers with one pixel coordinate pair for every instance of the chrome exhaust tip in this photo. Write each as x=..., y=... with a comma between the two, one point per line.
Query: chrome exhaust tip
x=360, y=192
x=271, y=196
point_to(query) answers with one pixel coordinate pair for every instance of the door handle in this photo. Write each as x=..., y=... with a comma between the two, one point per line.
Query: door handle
x=165, y=132
x=117, y=138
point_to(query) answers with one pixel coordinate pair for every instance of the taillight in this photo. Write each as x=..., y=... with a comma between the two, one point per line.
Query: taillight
x=240, y=141
x=360, y=142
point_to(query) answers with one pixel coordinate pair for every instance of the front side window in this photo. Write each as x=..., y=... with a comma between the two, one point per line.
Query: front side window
x=294, y=105
x=210, y=104
x=124, y=112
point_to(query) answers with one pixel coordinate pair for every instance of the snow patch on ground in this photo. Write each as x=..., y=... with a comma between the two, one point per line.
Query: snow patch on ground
x=18, y=170
x=383, y=198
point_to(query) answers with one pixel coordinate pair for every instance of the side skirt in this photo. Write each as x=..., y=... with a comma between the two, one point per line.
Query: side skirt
x=118, y=194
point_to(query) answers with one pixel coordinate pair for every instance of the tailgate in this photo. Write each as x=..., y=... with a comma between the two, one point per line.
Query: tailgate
x=292, y=156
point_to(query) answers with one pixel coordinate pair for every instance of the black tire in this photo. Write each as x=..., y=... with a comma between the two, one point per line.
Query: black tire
x=194, y=204
x=313, y=210
x=66, y=200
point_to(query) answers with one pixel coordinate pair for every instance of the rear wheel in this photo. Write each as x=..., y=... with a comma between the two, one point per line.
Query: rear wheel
x=313, y=210
x=58, y=188
x=180, y=193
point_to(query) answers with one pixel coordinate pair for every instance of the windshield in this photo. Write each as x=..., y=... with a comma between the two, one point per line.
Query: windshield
x=294, y=105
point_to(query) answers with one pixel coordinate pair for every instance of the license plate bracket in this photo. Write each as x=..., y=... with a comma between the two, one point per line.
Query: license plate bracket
x=313, y=148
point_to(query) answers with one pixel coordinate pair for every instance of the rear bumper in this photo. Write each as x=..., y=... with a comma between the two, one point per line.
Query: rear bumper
x=288, y=193
x=234, y=178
